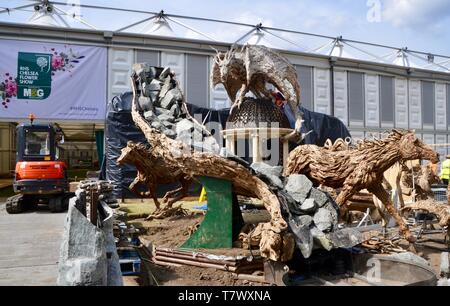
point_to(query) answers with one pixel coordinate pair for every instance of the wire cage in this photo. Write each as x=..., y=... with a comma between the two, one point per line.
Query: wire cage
x=440, y=194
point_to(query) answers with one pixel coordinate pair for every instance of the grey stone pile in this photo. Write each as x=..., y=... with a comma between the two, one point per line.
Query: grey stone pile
x=161, y=103
x=312, y=214
x=88, y=255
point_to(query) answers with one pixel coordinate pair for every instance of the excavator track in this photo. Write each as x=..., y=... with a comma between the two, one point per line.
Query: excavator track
x=14, y=204
x=55, y=204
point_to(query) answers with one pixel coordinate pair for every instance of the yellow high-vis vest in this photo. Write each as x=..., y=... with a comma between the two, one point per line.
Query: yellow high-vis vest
x=445, y=171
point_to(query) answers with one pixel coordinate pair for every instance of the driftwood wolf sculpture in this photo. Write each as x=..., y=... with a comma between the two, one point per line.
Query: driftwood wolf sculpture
x=250, y=70
x=361, y=167
x=161, y=173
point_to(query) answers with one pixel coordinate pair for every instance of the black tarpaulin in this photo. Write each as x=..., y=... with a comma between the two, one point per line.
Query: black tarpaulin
x=120, y=129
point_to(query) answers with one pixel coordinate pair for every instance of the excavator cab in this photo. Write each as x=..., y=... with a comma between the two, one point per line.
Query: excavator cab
x=40, y=178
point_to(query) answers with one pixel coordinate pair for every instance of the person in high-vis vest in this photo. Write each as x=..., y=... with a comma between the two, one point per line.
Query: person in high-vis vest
x=445, y=170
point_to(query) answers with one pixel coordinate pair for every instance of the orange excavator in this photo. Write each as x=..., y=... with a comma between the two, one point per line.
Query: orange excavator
x=40, y=178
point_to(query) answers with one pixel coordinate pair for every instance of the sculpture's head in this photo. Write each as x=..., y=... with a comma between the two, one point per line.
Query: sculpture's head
x=132, y=151
x=223, y=64
x=126, y=154
x=412, y=148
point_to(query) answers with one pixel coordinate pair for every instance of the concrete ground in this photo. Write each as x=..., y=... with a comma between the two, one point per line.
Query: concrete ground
x=29, y=247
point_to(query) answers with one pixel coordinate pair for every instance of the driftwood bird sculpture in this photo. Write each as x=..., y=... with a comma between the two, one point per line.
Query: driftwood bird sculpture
x=361, y=167
x=250, y=70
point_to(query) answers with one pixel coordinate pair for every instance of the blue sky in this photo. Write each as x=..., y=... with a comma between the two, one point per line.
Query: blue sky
x=418, y=24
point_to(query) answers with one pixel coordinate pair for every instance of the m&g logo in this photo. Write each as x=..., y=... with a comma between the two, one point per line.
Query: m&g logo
x=34, y=78
x=33, y=93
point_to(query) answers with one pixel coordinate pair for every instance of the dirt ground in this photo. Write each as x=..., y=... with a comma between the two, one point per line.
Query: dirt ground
x=194, y=276
x=168, y=233
x=173, y=232
x=431, y=247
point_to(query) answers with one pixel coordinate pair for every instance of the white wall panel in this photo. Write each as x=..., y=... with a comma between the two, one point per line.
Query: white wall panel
x=441, y=107
x=401, y=103
x=448, y=107
x=322, y=90
x=415, y=104
x=356, y=136
x=371, y=135
x=372, y=98
x=441, y=139
x=341, y=96
x=219, y=98
x=428, y=138
x=175, y=61
x=448, y=141
x=120, y=62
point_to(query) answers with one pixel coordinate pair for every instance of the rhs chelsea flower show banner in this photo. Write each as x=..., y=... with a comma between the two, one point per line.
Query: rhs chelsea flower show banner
x=52, y=81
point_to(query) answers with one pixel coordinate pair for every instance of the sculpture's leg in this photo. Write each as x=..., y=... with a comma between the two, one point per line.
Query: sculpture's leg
x=346, y=193
x=134, y=184
x=237, y=103
x=381, y=194
x=398, y=186
x=152, y=190
x=382, y=211
x=244, y=91
x=296, y=135
x=170, y=197
x=175, y=195
x=298, y=118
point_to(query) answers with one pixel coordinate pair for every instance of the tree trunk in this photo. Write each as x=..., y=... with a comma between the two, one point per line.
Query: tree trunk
x=176, y=154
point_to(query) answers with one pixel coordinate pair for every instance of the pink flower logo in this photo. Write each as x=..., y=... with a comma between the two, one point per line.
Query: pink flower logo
x=11, y=89
x=57, y=62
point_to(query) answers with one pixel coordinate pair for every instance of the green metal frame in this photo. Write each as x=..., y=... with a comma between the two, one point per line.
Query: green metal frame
x=222, y=222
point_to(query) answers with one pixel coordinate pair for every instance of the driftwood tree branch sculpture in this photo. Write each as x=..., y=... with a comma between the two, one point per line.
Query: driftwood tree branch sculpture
x=442, y=211
x=415, y=182
x=360, y=168
x=418, y=180
x=177, y=155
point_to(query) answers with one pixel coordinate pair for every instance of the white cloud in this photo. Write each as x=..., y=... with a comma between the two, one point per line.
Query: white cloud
x=416, y=13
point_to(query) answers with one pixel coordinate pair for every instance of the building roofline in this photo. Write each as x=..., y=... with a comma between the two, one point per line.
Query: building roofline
x=16, y=31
